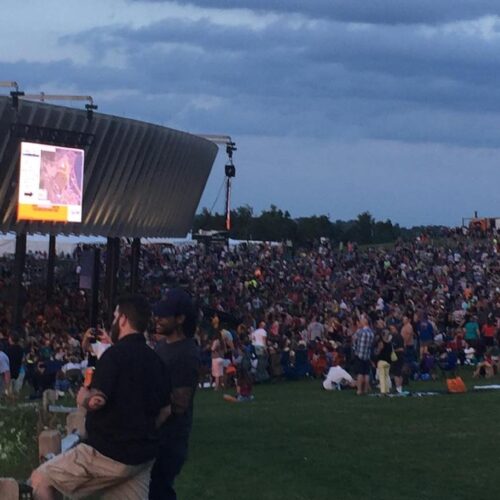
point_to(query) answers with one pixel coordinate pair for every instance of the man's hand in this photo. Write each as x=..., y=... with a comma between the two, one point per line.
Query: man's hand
x=90, y=399
x=103, y=336
x=165, y=412
x=82, y=396
x=181, y=399
x=87, y=336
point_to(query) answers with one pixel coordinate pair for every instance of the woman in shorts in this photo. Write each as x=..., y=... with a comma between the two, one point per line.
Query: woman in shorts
x=218, y=350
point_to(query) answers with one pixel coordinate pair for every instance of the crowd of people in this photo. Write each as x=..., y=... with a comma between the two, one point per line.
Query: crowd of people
x=346, y=316
x=431, y=306
x=272, y=311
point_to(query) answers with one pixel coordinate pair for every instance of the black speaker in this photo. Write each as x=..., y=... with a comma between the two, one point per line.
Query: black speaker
x=230, y=170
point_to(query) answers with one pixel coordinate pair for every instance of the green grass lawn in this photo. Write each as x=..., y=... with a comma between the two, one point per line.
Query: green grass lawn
x=296, y=441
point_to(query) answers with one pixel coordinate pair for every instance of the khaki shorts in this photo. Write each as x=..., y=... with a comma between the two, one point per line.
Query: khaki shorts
x=83, y=471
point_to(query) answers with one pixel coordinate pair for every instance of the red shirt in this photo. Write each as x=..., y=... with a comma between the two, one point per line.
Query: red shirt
x=488, y=330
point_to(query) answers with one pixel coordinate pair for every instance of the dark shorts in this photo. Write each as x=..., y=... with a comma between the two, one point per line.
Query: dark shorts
x=488, y=341
x=362, y=366
x=397, y=368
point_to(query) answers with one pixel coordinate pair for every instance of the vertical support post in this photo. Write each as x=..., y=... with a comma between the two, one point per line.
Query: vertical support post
x=51, y=262
x=134, y=264
x=19, y=263
x=94, y=303
x=228, y=203
x=112, y=263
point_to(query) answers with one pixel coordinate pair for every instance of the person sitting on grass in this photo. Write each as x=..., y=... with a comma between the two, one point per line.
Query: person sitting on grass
x=470, y=354
x=495, y=358
x=447, y=361
x=337, y=378
x=243, y=388
x=62, y=384
x=319, y=361
x=485, y=367
x=428, y=365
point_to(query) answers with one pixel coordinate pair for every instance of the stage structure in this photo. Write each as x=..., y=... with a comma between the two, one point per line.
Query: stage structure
x=78, y=172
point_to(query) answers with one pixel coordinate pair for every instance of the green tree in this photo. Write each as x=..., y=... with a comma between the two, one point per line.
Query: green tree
x=385, y=232
x=313, y=228
x=242, y=223
x=364, y=228
x=275, y=225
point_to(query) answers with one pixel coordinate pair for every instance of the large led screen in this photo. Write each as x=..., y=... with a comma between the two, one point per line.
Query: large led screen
x=50, y=183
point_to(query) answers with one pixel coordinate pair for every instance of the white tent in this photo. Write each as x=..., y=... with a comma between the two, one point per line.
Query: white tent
x=40, y=243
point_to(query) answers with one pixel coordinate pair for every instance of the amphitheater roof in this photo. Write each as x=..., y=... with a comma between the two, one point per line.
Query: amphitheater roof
x=140, y=179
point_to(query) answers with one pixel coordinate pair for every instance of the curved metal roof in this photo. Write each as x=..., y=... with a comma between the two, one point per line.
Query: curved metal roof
x=140, y=180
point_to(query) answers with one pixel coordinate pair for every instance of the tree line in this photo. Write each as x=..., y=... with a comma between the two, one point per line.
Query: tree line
x=275, y=224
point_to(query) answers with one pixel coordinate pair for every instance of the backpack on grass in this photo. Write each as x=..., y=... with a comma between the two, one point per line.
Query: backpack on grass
x=456, y=385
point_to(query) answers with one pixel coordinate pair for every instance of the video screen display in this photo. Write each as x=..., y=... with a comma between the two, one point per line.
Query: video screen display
x=50, y=183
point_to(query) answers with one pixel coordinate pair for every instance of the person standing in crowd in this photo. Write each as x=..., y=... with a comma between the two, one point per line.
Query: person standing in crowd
x=315, y=330
x=397, y=365
x=126, y=404
x=175, y=318
x=425, y=332
x=259, y=339
x=489, y=332
x=4, y=374
x=472, y=332
x=259, y=343
x=218, y=349
x=384, y=351
x=362, y=349
x=408, y=334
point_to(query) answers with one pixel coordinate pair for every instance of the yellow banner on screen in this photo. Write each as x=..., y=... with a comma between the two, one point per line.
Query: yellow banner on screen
x=54, y=213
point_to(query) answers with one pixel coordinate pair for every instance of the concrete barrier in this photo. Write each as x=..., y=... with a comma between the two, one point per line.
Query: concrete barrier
x=9, y=489
x=75, y=422
x=49, y=444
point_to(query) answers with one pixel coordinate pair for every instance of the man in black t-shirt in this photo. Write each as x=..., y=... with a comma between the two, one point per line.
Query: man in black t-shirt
x=126, y=402
x=175, y=325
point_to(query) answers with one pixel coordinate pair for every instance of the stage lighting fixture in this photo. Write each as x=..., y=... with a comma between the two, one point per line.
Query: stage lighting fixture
x=230, y=170
x=16, y=94
x=230, y=148
x=90, y=110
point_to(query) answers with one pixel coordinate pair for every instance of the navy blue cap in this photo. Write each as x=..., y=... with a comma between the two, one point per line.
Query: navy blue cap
x=177, y=302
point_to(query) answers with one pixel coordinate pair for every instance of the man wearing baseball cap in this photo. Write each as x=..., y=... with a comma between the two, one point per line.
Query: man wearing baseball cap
x=175, y=319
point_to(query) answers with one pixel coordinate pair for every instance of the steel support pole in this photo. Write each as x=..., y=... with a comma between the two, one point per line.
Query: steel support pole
x=94, y=301
x=19, y=263
x=134, y=264
x=51, y=262
x=112, y=264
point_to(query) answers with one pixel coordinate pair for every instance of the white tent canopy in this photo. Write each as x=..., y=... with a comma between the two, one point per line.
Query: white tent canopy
x=40, y=243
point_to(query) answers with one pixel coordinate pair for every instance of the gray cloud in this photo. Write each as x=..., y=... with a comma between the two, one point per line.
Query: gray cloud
x=318, y=104
x=326, y=79
x=398, y=52
x=322, y=79
x=362, y=11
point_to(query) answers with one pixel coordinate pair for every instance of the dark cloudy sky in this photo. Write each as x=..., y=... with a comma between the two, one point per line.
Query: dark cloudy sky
x=337, y=106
